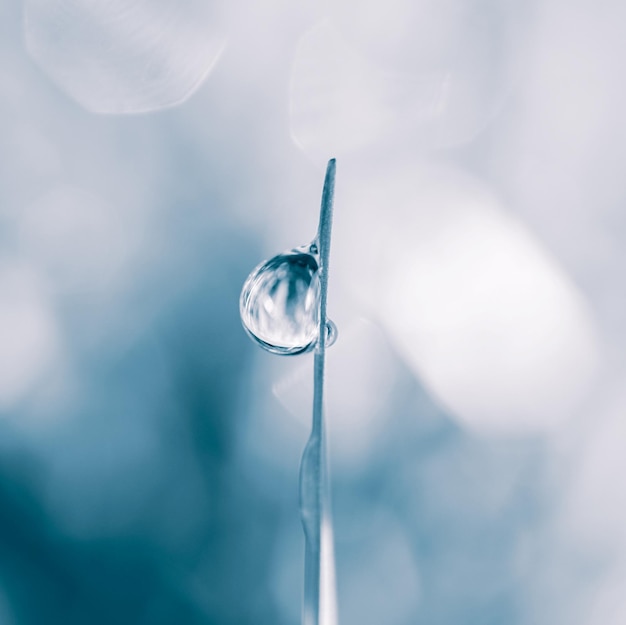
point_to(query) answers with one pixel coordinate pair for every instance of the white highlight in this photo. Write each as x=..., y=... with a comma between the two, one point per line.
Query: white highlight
x=29, y=340
x=328, y=584
x=479, y=310
x=344, y=99
x=119, y=57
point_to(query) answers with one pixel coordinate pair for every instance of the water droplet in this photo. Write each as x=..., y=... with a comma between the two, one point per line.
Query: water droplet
x=279, y=303
x=331, y=333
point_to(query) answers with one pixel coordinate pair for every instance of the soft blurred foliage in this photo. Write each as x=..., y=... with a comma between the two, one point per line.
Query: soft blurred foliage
x=154, y=152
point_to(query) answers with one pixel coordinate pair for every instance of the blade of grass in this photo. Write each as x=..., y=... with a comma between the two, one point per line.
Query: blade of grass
x=319, y=574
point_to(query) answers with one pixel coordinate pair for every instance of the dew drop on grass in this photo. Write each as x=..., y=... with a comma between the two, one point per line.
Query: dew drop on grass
x=282, y=307
x=279, y=303
x=331, y=333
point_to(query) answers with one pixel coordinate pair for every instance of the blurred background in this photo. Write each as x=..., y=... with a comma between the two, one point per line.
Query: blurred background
x=153, y=152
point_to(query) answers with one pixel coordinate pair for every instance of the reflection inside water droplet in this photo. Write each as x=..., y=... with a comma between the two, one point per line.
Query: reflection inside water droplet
x=279, y=303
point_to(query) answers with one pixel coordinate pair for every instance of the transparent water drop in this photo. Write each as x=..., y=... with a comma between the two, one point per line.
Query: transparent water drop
x=331, y=333
x=279, y=303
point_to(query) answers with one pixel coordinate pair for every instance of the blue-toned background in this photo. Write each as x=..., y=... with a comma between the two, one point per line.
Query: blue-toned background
x=153, y=152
